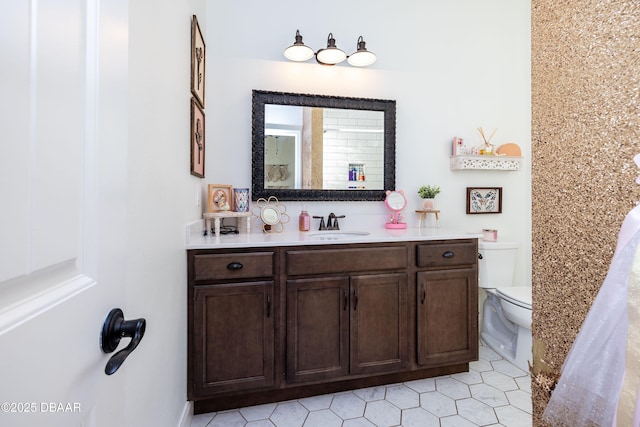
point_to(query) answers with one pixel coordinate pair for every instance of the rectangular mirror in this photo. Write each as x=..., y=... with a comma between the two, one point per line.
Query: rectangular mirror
x=314, y=147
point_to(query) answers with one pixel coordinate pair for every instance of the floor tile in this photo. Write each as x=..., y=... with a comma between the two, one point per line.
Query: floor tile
x=499, y=380
x=382, y=413
x=419, y=417
x=289, y=414
x=227, y=419
x=402, y=396
x=521, y=400
x=507, y=368
x=489, y=395
x=371, y=393
x=471, y=377
x=438, y=404
x=358, y=422
x=511, y=416
x=323, y=418
x=422, y=386
x=452, y=388
x=348, y=405
x=260, y=423
x=476, y=412
x=494, y=393
x=316, y=403
x=258, y=412
x=456, y=421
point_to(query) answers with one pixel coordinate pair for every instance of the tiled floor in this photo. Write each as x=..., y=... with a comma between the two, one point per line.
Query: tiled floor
x=493, y=393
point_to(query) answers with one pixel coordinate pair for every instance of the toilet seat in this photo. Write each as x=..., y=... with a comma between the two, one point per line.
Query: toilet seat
x=518, y=295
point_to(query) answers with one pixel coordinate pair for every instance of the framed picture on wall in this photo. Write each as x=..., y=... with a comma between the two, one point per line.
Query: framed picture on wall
x=484, y=200
x=197, y=139
x=198, y=59
x=220, y=198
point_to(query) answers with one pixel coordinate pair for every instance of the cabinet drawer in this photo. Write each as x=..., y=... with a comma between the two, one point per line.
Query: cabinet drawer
x=446, y=254
x=321, y=261
x=233, y=265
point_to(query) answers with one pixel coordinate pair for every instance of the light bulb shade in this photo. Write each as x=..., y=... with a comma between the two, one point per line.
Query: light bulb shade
x=331, y=55
x=298, y=51
x=362, y=57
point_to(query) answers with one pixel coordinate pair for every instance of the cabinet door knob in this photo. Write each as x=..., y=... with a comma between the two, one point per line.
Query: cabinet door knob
x=423, y=293
x=234, y=266
x=448, y=254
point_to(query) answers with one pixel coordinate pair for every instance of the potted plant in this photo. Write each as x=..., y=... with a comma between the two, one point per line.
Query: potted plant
x=428, y=193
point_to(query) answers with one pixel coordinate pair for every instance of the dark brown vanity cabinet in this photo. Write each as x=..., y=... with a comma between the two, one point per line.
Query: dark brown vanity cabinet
x=231, y=323
x=268, y=324
x=447, y=303
x=339, y=326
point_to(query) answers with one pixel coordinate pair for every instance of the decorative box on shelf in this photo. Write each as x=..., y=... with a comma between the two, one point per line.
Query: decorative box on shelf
x=486, y=162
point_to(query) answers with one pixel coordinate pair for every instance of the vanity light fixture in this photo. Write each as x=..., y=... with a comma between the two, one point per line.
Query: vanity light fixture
x=298, y=51
x=362, y=57
x=331, y=55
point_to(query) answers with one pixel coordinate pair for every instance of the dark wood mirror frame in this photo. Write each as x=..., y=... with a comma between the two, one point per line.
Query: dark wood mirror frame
x=261, y=98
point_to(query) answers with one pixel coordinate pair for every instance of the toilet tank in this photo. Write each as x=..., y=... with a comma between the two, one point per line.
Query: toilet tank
x=496, y=264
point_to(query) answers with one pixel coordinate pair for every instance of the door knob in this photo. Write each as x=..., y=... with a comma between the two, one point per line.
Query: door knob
x=115, y=328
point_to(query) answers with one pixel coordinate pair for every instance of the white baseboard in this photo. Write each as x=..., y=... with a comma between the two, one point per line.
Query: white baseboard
x=187, y=415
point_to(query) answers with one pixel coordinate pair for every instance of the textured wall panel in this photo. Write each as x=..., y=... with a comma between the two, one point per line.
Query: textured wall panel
x=585, y=132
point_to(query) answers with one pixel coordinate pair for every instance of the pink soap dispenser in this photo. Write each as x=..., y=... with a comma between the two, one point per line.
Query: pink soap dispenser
x=304, y=221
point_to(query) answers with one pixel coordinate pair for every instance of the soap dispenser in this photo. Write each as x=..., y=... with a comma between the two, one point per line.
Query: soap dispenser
x=304, y=221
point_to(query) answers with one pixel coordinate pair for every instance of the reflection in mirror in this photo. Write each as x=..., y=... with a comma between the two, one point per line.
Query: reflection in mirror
x=312, y=147
x=323, y=148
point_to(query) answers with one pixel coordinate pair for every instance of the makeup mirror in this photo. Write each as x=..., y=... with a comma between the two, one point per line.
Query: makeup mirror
x=395, y=202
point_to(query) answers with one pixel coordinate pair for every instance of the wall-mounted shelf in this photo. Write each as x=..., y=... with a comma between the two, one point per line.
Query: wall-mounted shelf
x=498, y=163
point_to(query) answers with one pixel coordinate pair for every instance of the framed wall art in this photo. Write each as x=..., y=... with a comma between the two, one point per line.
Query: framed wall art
x=484, y=200
x=220, y=198
x=198, y=60
x=197, y=139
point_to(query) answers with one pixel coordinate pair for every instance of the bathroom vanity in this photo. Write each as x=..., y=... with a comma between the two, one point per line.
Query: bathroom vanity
x=273, y=318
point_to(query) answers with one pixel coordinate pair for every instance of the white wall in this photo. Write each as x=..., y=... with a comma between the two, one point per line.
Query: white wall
x=162, y=198
x=451, y=66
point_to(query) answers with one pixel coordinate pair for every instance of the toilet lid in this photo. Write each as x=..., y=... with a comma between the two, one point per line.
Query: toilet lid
x=518, y=295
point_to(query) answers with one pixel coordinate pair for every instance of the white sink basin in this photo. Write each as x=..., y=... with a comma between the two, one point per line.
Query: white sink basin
x=337, y=235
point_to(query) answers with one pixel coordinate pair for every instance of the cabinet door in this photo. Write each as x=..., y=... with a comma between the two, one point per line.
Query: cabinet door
x=234, y=330
x=379, y=315
x=317, y=328
x=447, y=304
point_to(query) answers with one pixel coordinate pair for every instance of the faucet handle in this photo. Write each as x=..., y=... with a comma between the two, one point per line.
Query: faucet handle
x=322, y=226
x=336, y=226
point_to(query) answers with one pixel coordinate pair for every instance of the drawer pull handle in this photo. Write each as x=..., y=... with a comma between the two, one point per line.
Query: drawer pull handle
x=234, y=266
x=448, y=254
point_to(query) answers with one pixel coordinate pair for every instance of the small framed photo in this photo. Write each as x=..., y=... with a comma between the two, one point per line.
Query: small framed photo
x=484, y=200
x=198, y=59
x=220, y=198
x=197, y=140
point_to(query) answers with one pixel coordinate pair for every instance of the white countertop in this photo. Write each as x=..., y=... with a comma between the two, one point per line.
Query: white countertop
x=195, y=239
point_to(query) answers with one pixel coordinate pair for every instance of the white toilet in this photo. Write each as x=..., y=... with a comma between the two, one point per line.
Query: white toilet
x=506, y=313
